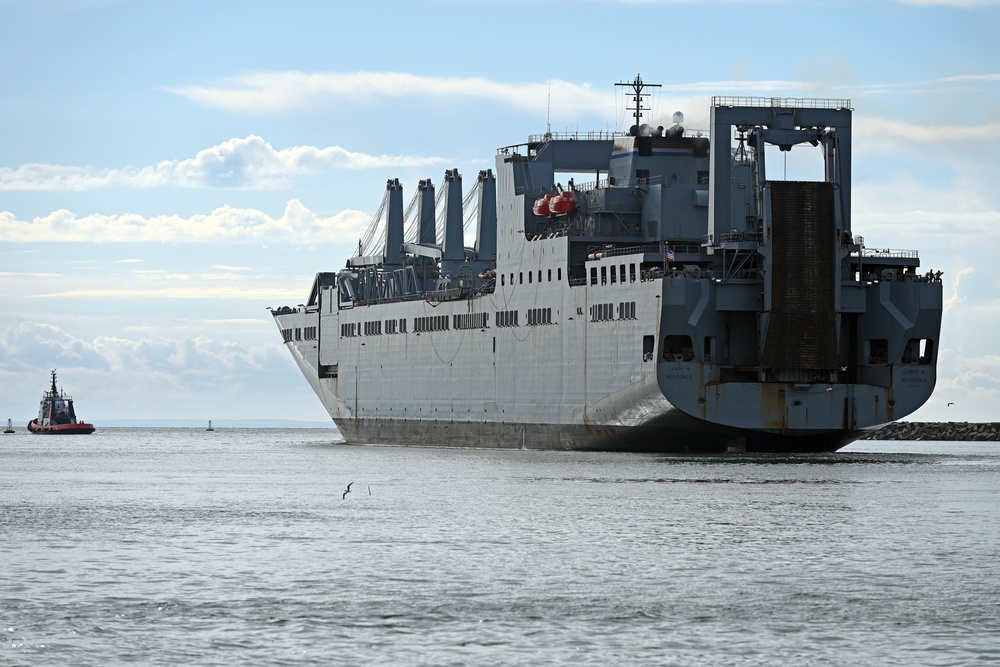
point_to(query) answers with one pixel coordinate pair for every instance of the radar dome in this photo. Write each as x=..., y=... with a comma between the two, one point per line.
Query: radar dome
x=678, y=117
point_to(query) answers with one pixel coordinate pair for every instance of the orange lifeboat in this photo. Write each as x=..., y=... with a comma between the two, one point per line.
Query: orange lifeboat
x=541, y=207
x=563, y=203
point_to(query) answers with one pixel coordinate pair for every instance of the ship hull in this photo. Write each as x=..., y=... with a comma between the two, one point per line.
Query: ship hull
x=668, y=436
x=644, y=422
x=61, y=429
x=686, y=303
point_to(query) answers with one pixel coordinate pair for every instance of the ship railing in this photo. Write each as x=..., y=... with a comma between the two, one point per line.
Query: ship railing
x=733, y=236
x=886, y=252
x=661, y=247
x=617, y=252
x=591, y=185
x=683, y=248
x=598, y=135
x=781, y=102
x=449, y=294
x=371, y=301
x=592, y=135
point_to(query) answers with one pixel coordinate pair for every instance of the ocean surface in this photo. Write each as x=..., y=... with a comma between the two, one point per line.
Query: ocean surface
x=144, y=546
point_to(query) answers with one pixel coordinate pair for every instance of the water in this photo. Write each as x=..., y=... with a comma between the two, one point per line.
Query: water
x=178, y=546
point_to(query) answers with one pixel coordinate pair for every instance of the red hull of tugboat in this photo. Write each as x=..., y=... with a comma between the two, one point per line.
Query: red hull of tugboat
x=61, y=429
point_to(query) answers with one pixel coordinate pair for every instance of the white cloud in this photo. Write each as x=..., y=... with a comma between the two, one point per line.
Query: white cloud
x=881, y=135
x=296, y=224
x=248, y=163
x=273, y=92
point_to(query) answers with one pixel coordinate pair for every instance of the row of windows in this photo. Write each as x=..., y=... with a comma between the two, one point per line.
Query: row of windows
x=395, y=326
x=371, y=328
x=917, y=351
x=431, y=323
x=470, y=321
x=602, y=312
x=531, y=277
x=299, y=333
x=616, y=274
x=538, y=316
x=507, y=318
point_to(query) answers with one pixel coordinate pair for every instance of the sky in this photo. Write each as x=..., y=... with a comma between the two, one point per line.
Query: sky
x=168, y=170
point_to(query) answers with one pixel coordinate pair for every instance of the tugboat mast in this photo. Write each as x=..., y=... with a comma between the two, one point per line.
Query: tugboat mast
x=637, y=87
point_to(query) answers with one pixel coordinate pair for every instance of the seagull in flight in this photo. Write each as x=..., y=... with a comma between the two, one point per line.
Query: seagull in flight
x=950, y=404
x=347, y=491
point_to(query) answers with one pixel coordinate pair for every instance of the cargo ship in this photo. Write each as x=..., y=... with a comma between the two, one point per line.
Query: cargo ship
x=56, y=415
x=651, y=290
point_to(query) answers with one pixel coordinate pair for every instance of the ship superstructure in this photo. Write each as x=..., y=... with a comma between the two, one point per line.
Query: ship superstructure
x=681, y=300
x=56, y=414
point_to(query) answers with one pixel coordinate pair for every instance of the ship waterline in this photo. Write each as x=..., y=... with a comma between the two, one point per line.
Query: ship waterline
x=681, y=302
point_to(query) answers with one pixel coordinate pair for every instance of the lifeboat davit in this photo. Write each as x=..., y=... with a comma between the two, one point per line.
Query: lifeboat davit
x=541, y=207
x=562, y=203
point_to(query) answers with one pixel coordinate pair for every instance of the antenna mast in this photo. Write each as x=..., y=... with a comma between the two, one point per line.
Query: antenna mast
x=637, y=87
x=548, y=114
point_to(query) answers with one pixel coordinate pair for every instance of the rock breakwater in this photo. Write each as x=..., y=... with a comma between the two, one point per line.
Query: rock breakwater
x=985, y=431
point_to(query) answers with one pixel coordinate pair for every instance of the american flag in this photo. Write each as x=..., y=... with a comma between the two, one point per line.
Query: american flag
x=670, y=254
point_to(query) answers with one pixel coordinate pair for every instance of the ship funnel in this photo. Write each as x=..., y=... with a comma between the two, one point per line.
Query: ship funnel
x=394, y=224
x=486, y=235
x=452, y=245
x=425, y=214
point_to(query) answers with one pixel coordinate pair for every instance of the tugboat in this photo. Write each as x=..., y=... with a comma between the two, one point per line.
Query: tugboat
x=56, y=414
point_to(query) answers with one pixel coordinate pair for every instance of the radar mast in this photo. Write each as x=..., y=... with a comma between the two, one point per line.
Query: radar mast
x=637, y=87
